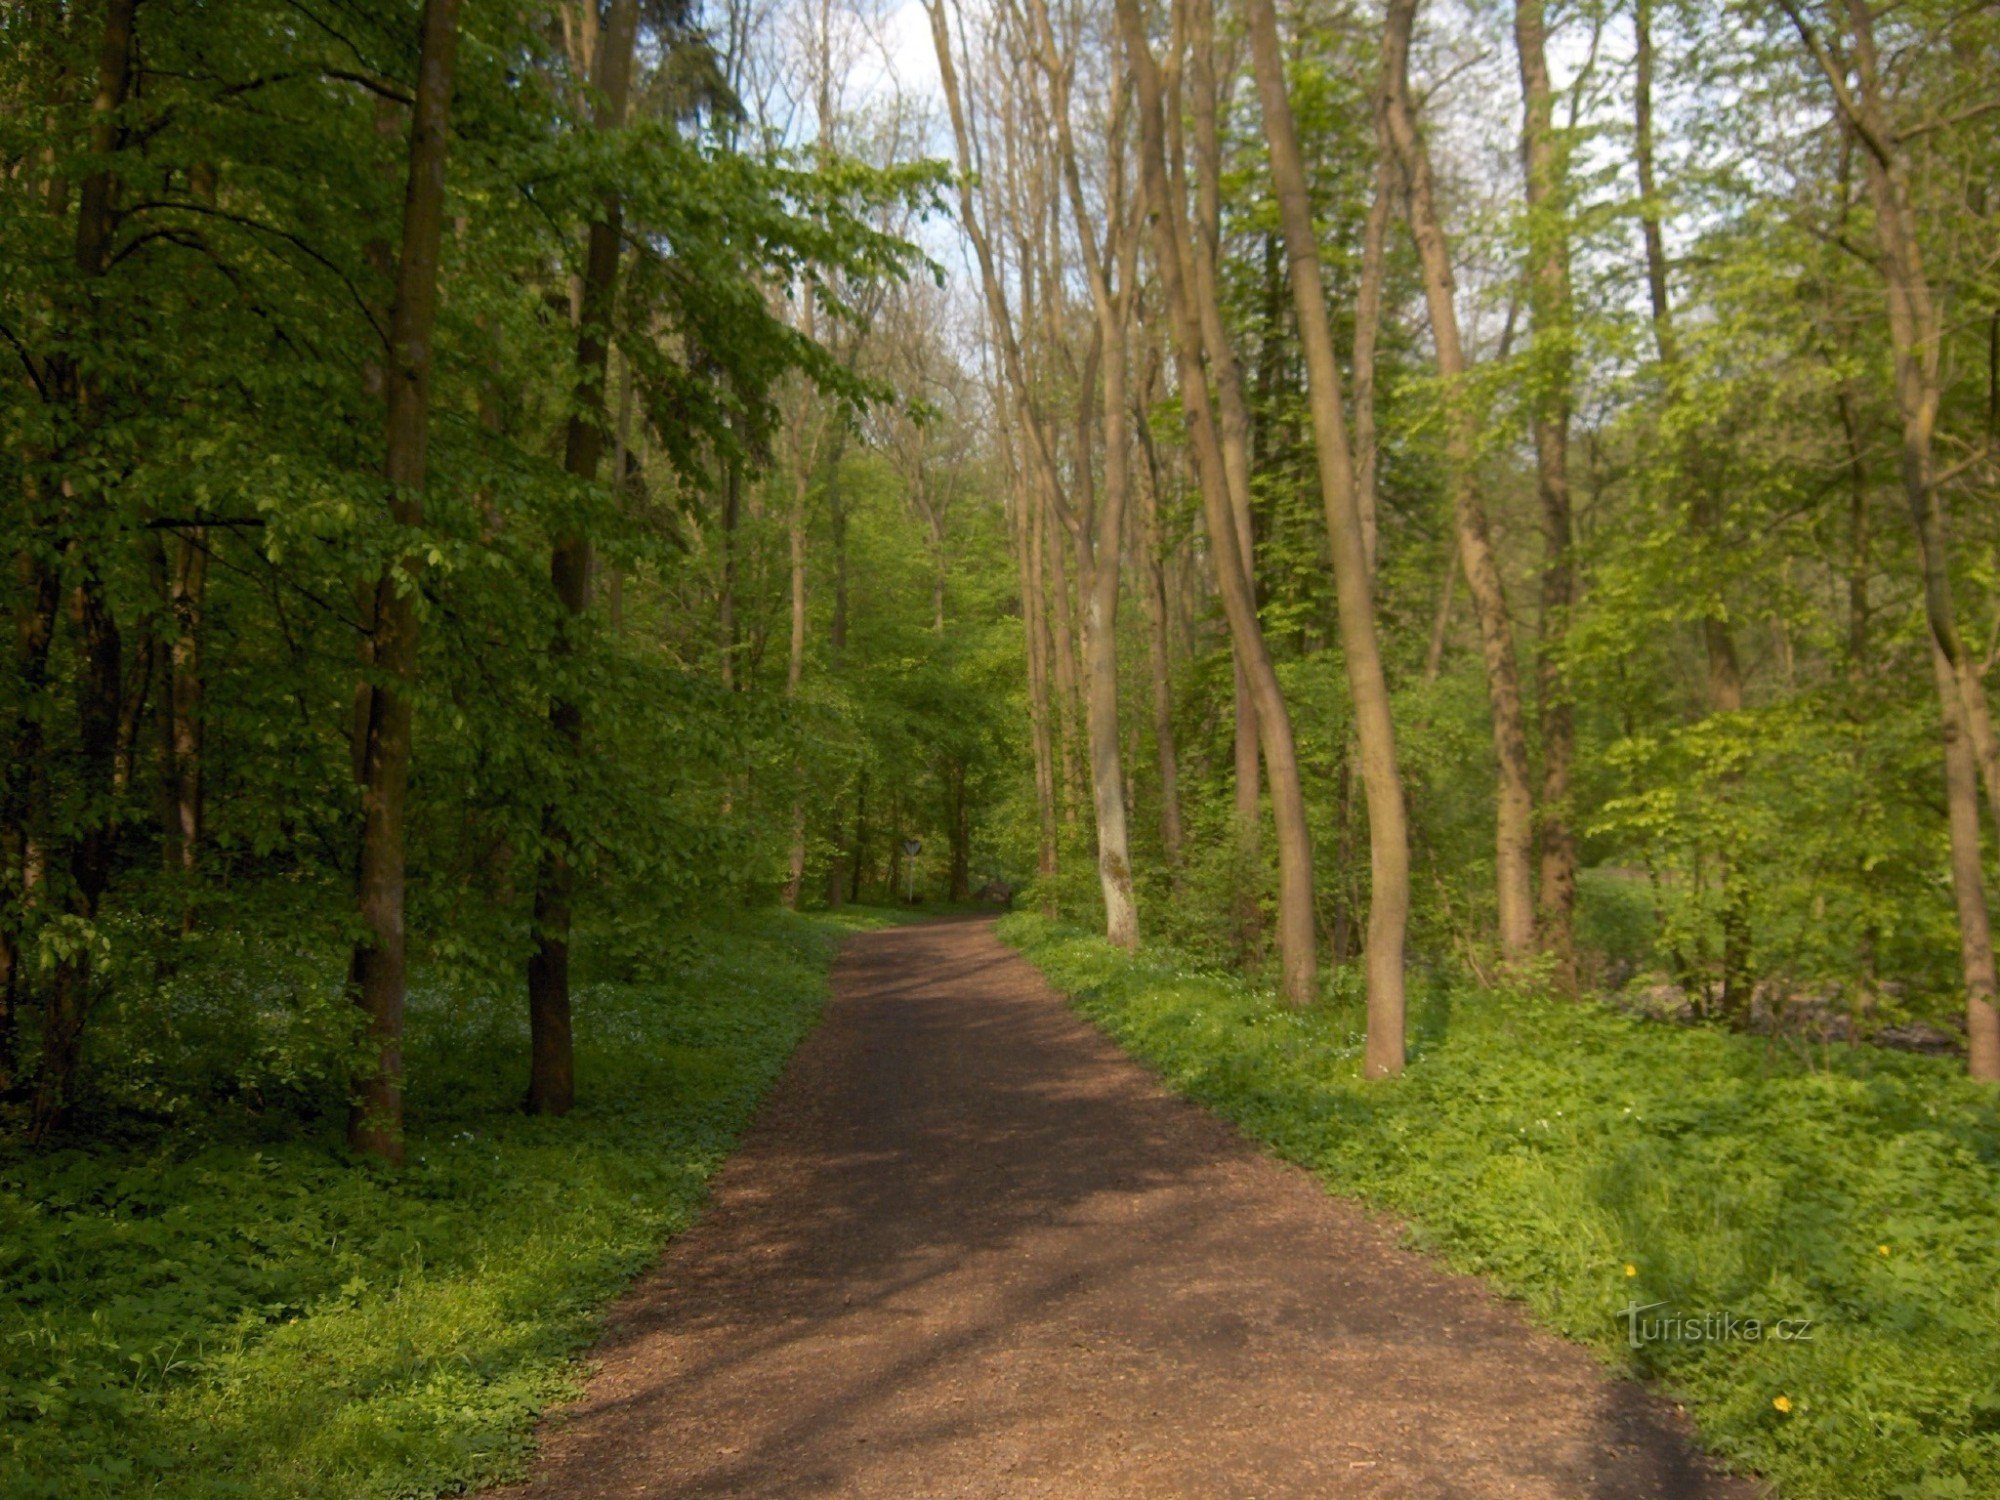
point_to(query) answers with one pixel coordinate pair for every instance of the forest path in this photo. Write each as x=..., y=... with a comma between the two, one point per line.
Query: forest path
x=969, y=1248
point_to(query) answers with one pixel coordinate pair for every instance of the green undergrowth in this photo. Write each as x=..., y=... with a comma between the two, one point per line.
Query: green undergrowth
x=1587, y=1162
x=243, y=1314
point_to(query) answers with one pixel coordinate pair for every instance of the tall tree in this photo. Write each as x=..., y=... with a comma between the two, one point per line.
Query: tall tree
x=1849, y=58
x=551, y=1061
x=379, y=971
x=1297, y=938
x=1388, y=823
x=1113, y=275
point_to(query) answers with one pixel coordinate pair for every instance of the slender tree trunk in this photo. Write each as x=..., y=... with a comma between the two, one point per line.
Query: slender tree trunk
x=622, y=463
x=1441, y=621
x=795, y=668
x=1514, y=812
x=188, y=590
x=1066, y=694
x=1367, y=332
x=166, y=808
x=1297, y=939
x=551, y=1054
x=860, y=863
x=98, y=701
x=39, y=598
x=961, y=837
x=1201, y=256
x=1388, y=824
x=1858, y=563
x=1650, y=214
x=728, y=636
x=377, y=975
x=1034, y=629
x=836, y=512
x=1159, y=660
x=1103, y=548
x=1542, y=162
x=1107, y=776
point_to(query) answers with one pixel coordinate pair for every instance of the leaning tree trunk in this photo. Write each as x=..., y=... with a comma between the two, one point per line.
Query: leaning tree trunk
x=377, y=975
x=1915, y=335
x=1514, y=811
x=1297, y=939
x=551, y=1055
x=1388, y=824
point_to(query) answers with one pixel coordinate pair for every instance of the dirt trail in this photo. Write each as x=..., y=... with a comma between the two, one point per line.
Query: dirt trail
x=970, y=1249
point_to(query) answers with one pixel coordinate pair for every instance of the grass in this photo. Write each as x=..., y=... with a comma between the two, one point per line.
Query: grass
x=252, y=1314
x=1586, y=1162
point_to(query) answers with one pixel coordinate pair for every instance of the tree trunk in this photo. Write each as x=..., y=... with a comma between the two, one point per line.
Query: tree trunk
x=1367, y=332
x=1056, y=556
x=1542, y=162
x=1514, y=811
x=1916, y=332
x=1104, y=544
x=836, y=514
x=1202, y=253
x=1159, y=660
x=1296, y=936
x=551, y=1056
x=1388, y=824
x=858, y=868
x=98, y=703
x=1968, y=879
x=795, y=668
x=377, y=975
x=727, y=634
x=188, y=587
x=961, y=837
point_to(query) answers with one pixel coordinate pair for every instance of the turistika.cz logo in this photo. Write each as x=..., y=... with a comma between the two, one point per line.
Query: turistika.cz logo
x=1707, y=1328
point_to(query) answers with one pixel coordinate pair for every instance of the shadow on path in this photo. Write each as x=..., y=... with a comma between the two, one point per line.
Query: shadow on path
x=971, y=1249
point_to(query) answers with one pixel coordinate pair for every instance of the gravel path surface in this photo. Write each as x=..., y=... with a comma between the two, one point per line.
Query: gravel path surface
x=971, y=1249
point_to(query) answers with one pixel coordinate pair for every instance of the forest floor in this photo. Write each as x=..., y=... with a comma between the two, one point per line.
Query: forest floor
x=970, y=1248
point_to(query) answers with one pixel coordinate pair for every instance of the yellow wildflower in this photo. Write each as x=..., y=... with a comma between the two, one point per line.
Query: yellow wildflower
x=1783, y=1403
